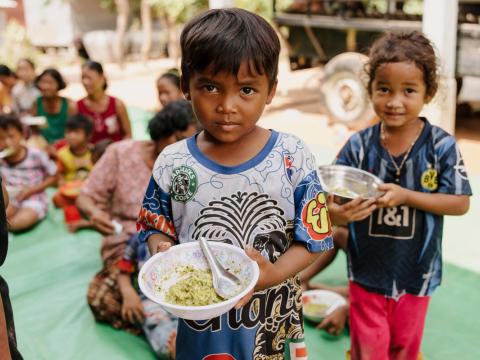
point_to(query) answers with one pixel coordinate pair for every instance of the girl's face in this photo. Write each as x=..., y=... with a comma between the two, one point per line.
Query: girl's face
x=25, y=72
x=168, y=91
x=92, y=81
x=48, y=86
x=398, y=93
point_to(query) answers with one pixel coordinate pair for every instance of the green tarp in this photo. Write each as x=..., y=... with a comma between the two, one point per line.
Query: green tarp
x=48, y=270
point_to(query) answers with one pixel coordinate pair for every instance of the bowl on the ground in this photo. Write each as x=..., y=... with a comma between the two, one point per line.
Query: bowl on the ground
x=347, y=182
x=317, y=304
x=170, y=268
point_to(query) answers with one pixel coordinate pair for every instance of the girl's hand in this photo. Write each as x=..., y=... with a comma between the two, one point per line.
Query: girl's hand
x=265, y=278
x=24, y=194
x=355, y=210
x=102, y=222
x=335, y=322
x=132, y=308
x=394, y=195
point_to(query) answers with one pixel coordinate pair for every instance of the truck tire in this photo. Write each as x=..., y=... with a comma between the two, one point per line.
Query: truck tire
x=344, y=91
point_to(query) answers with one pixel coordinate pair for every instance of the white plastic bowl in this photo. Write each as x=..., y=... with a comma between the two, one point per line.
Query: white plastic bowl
x=326, y=297
x=162, y=265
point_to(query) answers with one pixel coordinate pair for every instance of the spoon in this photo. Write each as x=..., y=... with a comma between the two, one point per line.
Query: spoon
x=225, y=283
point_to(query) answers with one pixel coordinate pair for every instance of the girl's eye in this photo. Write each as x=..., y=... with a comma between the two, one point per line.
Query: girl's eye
x=210, y=88
x=247, y=91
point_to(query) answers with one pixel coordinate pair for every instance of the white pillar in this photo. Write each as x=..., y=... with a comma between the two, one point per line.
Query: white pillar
x=216, y=4
x=440, y=26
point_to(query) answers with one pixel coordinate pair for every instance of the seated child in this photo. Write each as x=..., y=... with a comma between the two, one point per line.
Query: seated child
x=158, y=325
x=27, y=173
x=168, y=87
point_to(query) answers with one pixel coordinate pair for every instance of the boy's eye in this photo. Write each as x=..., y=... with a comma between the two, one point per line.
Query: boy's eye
x=410, y=91
x=247, y=90
x=210, y=88
x=383, y=90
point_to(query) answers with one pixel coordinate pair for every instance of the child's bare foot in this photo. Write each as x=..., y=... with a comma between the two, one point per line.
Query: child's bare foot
x=171, y=344
x=77, y=225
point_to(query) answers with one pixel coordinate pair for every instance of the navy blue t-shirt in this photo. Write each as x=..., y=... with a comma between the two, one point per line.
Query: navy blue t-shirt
x=398, y=250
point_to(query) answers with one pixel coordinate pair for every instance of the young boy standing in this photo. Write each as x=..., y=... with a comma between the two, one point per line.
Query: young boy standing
x=238, y=183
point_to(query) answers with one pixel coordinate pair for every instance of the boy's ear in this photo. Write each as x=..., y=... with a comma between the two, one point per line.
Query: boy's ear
x=184, y=87
x=428, y=98
x=272, y=92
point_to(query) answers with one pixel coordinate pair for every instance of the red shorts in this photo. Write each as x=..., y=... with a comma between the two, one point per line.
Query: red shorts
x=382, y=328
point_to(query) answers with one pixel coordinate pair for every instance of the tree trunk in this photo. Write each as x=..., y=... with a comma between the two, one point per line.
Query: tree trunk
x=123, y=10
x=146, y=16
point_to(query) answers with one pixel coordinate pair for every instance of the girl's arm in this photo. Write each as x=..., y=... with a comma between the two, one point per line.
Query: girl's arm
x=100, y=219
x=72, y=107
x=4, y=347
x=435, y=203
x=123, y=118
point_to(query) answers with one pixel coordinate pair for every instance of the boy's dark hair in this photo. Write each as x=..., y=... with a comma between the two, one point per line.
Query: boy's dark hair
x=79, y=122
x=10, y=121
x=173, y=76
x=175, y=116
x=224, y=39
x=98, y=68
x=399, y=47
x=55, y=74
x=6, y=71
x=99, y=148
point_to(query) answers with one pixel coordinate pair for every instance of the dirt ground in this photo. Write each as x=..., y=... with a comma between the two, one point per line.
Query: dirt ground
x=297, y=107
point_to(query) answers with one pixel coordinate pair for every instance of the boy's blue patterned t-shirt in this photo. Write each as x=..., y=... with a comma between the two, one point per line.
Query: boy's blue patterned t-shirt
x=270, y=202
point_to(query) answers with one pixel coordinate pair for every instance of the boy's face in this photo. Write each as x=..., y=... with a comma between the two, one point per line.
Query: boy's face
x=11, y=138
x=76, y=138
x=229, y=106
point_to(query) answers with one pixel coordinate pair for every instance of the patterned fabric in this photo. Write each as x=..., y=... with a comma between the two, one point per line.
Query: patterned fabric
x=105, y=299
x=398, y=250
x=31, y=171
x=106, y=125
x=118, y=180
x=159, y=324
x=269, y=202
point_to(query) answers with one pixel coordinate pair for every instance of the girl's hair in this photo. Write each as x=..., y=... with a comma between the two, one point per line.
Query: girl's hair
x=98, y=68
x=173, y=76
x=410, y=47
x=55, y=74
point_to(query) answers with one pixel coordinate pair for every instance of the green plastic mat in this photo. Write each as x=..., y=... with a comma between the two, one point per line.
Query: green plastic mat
x=48, y=271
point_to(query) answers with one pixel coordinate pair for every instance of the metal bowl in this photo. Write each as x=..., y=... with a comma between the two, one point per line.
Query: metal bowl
x=348, y=182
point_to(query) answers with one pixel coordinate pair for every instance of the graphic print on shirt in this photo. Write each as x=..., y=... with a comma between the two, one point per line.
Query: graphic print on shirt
x=184, y=183
x=246, y=219
x=396, y=222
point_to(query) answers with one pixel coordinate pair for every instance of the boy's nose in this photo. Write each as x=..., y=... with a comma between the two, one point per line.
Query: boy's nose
x=227, y=105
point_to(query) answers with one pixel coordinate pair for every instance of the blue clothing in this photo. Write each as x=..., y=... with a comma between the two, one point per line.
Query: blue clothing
x=269, y=202
x=398, y=250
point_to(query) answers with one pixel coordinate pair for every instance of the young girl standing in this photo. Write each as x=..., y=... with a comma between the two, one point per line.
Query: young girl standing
x=394, y=246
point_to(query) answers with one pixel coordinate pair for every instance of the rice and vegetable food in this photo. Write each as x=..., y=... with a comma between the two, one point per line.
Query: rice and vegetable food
x=195, y=288
x=315, y=309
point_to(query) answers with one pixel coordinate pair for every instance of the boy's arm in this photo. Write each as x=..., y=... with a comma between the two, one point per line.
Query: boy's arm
x=49, y=181
x=132, y=308
x=436, y=203
x=294, y=260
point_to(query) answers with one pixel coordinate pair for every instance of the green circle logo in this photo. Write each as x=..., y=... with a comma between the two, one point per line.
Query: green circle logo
x=184, y=183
